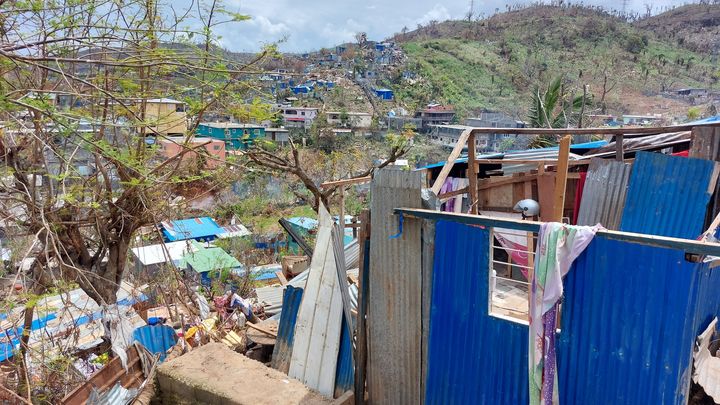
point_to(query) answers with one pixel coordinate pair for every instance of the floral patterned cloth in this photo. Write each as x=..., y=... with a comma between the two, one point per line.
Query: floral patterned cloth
x=559, y=245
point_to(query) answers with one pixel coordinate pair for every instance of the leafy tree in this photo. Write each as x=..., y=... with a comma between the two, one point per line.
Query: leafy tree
x=110, y=59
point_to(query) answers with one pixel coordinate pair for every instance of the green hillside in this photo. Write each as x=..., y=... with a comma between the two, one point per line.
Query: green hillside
x=495, y=63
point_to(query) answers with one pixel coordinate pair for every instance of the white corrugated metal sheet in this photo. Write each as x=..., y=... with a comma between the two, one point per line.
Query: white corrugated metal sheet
x=163, y=252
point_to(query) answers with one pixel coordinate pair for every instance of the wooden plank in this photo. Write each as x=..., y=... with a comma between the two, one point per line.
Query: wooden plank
x=361, y=331
x=455, y=193
x=551, y=162
x=687, y=245
x=592, y=131
x=261, y=329
x=472, y=175
x=279, y=274
x=395, y=292
x=561, y=180
x=462, y=141
x=346, y=182
x=619, y=151
x=491, y=183
x=317, y=330
x=546, y=191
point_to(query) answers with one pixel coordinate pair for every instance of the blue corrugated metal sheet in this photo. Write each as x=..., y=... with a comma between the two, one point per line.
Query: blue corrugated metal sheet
x=629, y=319
x=156, y=338
x=286, y=328
x=344, y=374
x=668, y=195
x=472, y=358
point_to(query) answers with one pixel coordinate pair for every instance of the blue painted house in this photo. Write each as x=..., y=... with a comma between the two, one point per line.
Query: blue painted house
x=236, y=136
x=202, y=229
x=301, y=89
x=384, y=94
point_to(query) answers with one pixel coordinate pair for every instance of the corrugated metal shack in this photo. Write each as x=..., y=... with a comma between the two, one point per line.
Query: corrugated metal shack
x=633, y=303
x=442, y=311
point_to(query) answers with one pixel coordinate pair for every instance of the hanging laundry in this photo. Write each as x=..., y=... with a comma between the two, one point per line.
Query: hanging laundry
x=559, y=246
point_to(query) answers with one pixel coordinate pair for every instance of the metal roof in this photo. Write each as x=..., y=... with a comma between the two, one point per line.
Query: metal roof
x=234, y=231
x=163, y=252
x=55, y=315
x=191, y=228
x=231, y=125
x=668, y=195
x=206, y=259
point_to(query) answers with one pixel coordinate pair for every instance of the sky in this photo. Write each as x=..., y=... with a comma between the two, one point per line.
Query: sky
x=308, y=25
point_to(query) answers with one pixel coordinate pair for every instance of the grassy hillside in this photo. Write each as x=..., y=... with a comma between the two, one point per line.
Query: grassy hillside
x=495, y=63
x=693, y=26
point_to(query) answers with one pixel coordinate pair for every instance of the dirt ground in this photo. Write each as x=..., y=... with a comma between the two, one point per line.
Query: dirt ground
x=215, y=374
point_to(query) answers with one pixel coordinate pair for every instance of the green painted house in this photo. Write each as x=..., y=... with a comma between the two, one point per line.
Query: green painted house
x=236, y=136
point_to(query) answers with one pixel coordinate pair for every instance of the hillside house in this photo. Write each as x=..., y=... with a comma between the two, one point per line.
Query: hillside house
x=165, y=116
x=435, y=114
x=353, y=119
x=448, y=135
x=236, y=136
x=213, y=155
x=281, y=136
x=208, y=262
x=301, y=89
x=489, y=119
x=151, y=258
x=384, y=94
x=299, y=117
x=629, y=119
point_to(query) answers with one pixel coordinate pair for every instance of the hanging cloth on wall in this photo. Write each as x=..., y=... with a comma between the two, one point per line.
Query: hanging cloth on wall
x=559, y=246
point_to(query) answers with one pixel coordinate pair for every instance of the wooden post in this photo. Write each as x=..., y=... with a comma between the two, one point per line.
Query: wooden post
x=619, y=151
x=341, y=219
x=561, y=179
x=472, y=175
x=361, y=331
x=705, y=144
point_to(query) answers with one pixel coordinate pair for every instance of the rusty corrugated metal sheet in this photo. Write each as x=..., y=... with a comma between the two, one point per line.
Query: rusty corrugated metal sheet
x=668, y=195
x=473, y=358
x=395, y=297
x=604, y=193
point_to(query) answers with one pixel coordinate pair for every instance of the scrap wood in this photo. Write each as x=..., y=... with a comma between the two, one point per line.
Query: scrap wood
x=263, y=330
x=462, y=141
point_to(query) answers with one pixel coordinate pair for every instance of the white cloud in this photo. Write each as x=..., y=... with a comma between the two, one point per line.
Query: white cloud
x=437, y=13
x=312, y=24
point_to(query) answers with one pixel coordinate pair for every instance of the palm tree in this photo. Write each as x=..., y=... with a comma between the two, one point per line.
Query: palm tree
x=553, y=108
